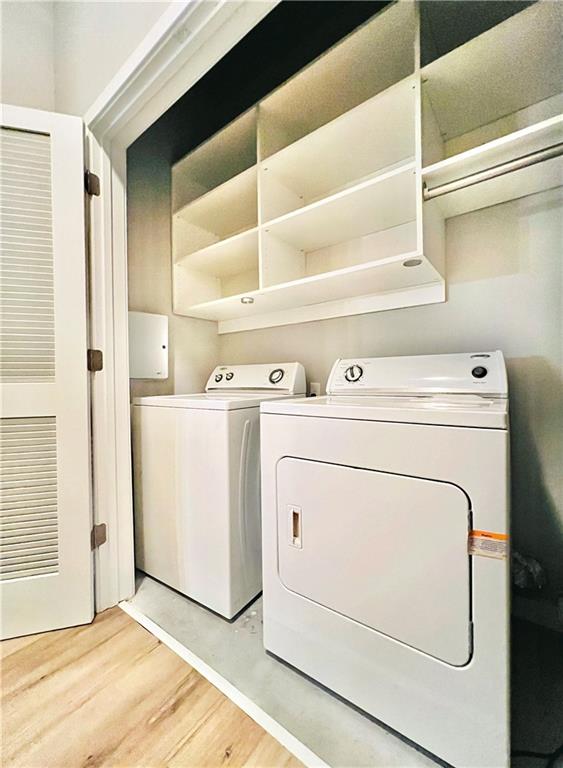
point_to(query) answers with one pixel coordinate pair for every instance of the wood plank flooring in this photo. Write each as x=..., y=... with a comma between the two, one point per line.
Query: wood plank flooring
x=110, y=694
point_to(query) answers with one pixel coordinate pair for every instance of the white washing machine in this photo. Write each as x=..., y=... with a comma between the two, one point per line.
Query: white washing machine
x=385, y=533
x=196, y=465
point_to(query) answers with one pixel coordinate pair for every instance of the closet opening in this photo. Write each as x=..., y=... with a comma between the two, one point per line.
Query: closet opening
x=286, y=186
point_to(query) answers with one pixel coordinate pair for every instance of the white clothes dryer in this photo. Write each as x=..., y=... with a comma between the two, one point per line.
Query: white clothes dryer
x=385, y=533
x=196, y=465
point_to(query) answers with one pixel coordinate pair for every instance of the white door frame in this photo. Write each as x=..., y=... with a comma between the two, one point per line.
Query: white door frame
x=184, y=44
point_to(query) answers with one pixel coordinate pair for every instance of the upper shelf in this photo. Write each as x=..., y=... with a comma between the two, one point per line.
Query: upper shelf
x=385, y=201
x=509, y=186
x=220, y=158
x=372, y=136
x=224, y=211
x=511, y=66
x=372, y=58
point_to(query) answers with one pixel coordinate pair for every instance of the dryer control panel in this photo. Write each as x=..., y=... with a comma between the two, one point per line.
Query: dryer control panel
x=286, y=378
x=482, y=373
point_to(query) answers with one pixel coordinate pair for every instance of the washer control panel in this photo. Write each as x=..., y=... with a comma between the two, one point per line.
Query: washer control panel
x=286, y=378
x=477, y=372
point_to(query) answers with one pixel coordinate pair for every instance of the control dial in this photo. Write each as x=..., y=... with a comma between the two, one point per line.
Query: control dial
x=276, y=375
x=229, y=376
x=353, y=373
x=218, y=377
x=479, y=372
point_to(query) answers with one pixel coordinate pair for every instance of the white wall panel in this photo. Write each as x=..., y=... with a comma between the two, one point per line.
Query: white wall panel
x=61, y=55
x=92, y=41
x=27, y=54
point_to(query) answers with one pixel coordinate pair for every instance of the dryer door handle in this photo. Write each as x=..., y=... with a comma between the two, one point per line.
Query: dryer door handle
x=294, y=526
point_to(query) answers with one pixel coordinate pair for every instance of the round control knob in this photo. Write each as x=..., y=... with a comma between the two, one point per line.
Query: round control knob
x=354, y=373
x=218, y=377
x=479, y=372
x=229, y=376
x=276, y=375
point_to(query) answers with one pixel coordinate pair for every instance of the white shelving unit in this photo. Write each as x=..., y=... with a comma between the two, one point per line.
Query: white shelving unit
x=316, y=204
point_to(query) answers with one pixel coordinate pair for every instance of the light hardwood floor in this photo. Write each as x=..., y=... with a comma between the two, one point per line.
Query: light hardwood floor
x=111, y=694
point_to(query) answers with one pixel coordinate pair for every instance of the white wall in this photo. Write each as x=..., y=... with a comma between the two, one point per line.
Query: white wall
x=92, y=41
x=505, y=288
x=27, y=77
x=193, y=344
x=61, y=55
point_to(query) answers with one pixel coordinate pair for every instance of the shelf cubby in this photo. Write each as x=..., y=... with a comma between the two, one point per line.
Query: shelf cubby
x=370, y=137
x=226, y=154
x=284, y=263
x=226, y=268
x=382, y=203
x=221, y=213
x=367, y=62
x=502, y=81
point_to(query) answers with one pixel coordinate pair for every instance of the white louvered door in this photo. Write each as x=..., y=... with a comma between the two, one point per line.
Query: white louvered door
x=46, y=579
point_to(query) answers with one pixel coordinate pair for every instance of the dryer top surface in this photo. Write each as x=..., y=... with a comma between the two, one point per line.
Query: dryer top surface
x=444, y=410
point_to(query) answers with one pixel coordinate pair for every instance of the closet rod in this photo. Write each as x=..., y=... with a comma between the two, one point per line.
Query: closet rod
x=540, y=156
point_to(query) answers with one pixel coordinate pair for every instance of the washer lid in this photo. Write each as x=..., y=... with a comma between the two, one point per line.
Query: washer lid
x=444, y=410
x=209, y=401
x=480, y=373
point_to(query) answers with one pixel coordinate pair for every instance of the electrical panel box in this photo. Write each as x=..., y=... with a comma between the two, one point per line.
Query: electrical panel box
x=148, y=346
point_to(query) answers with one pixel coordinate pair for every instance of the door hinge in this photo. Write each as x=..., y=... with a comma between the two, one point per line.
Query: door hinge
x=92, y=183
x=99, y=535
x=95, y=360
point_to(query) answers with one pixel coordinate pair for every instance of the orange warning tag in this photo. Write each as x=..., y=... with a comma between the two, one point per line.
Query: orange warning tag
x=488, y=544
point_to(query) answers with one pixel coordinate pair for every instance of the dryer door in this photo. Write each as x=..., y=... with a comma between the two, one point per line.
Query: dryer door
x=388, y=551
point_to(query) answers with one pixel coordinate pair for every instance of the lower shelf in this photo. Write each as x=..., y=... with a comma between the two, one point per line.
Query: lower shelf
x=399, y=281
